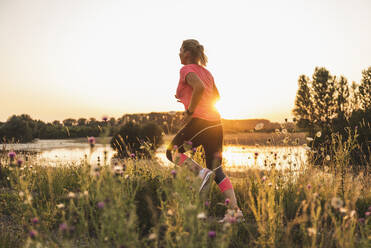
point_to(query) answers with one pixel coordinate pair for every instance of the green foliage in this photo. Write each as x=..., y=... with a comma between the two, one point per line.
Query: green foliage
x=140, y=140
x=327, y=105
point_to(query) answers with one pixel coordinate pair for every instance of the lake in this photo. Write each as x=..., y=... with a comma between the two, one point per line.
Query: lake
x=235, y=157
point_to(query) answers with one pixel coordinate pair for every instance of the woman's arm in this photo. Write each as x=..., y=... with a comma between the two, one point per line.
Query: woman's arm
x=198, y=89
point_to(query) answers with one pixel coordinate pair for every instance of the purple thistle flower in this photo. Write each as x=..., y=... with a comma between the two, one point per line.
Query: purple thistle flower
x=11, y=155
x=367, y=213
x=207, y=204
x=361, y=220
x=63, y=227
x=173, y=172
x=132, y=155
x=194, y=149
x=104, y=118
x=175, y=147
x=91, y=140
x=212, y=234
x=227, y=201
x=33, y=234
x=100, y=205
x=309, y=186
x=19, y=162
x=35, y=220
x=189, y=143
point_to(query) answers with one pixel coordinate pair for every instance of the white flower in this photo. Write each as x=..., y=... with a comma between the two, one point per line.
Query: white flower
x=21, y=194
x=259, y=126
x=318, y=134
x=336, y=202
x=328, y=157
x=201, y=216
x=309, y=138
x=71, y=195
x=152, y=236
x=343, y=210
x=60, y=205
x=311, y=231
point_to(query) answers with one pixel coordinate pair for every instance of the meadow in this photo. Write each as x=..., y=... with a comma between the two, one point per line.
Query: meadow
x=140, y=203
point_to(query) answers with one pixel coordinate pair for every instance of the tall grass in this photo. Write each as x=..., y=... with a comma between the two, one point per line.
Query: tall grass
x=139, y=203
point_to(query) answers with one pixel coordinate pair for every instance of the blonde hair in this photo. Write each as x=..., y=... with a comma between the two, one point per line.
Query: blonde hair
x=196, y=50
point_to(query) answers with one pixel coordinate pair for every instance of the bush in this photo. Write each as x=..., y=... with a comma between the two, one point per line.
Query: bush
x=140, y=140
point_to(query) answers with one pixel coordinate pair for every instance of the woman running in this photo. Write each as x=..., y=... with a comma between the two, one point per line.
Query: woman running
x=197, y=91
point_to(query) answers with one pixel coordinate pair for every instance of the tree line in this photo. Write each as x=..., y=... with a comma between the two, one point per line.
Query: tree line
x=22, y=128
x=331, y=109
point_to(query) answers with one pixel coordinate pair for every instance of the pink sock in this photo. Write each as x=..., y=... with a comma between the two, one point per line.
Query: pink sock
x=225, y=184
x=180, y=158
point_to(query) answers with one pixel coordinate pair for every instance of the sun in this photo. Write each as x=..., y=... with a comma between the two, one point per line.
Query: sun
x=229, y=111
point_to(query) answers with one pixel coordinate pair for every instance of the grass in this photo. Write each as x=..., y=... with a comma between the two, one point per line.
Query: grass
x=139, y=203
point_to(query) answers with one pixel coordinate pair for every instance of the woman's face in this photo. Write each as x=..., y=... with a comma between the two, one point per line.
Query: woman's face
x=183, y=56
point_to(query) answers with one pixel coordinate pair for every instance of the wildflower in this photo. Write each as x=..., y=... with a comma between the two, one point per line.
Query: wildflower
x=269, y=184
x=86, y=193
x=361, y=220
x=152, y=236
x=71, y=195
x=35, y=220
x=309, y=138
x=336, y=203
x=201, y=216
x=352, y=213
x=170, y=212
x=309, y=186
x=259, y=126
x=343, y=210
x=173, y=172
x=367, y=213
x=21, y=194
x=132, y=155
x=264, y=178
x=328, y=157
x=227, y=201
x=212, y=234
x=33, y=234
x=100, y=205
x=63, y=227
x=104, y=118
x=60, y=205
x=207, y=204
x=318, y=134
x=311, y=231
x=19, y=162
x=91, y=141
x=118, y=170
x=11, y=155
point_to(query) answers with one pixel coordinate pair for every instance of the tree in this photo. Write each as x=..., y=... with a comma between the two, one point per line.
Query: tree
x=303, y=109
x=82, y=121
x=69, y=122
x=365, y=89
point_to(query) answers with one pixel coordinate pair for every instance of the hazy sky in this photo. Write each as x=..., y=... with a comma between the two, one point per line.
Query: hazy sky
x=75, y=58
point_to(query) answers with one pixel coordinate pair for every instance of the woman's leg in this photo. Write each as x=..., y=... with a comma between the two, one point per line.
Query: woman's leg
x=213, y=147
x=175, y=151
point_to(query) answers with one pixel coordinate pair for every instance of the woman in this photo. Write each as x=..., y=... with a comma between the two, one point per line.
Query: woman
x=197, y=91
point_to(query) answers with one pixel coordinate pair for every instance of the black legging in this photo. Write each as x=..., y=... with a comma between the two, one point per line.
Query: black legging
x=206, y=133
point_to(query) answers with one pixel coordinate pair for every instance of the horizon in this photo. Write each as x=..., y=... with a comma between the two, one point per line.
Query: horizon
x=70, y=59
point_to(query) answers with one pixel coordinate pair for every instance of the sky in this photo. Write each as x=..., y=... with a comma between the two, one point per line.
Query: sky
x=90, y=58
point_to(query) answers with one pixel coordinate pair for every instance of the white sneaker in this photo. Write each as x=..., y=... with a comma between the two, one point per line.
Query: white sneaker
x=207, y=179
